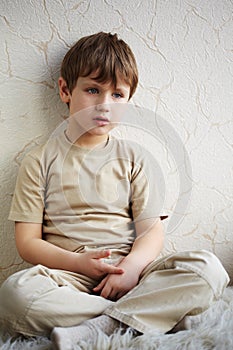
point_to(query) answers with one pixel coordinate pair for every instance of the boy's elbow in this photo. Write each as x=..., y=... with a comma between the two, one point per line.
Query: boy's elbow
x=25, y=236
x=23, y=248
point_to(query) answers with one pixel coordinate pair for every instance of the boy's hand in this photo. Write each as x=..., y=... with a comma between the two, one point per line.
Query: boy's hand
x=91, y=264
x=114, y=286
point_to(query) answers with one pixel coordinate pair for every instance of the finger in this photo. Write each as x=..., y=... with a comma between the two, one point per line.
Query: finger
x=101, y=254
x=115, y=295
x=110, y=269
x=100, y=285
x=106, y=291
x=98, y=288
x=112, y=296
x=120, y=295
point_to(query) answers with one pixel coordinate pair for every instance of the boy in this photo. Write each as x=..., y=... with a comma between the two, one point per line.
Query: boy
x=87, y=219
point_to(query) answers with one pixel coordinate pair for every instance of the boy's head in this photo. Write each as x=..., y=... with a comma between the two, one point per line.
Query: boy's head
x=103, y=54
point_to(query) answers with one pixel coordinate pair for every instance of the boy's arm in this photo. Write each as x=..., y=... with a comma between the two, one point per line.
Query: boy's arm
x=148, y=244
x=146, y=248
x=33, y=249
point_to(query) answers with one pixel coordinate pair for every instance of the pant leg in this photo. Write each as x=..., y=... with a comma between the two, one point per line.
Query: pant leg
x=170, y=288
x=35, y=300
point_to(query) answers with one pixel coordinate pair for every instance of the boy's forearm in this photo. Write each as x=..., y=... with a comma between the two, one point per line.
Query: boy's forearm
x=146, y=248
x=89, y=263
x=41, y=252
x=33, y=249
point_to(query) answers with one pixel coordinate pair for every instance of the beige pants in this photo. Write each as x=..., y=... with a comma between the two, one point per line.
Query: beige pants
x=35, y=300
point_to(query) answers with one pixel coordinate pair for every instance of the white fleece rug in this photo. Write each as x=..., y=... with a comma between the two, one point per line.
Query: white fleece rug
x=213, y=329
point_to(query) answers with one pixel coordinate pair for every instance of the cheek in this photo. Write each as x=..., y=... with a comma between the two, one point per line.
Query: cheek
x=86, y=101
x=77, y=105
x=118, y=111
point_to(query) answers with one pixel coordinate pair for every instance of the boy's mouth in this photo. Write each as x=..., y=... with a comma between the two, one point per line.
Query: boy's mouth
x=101, y=121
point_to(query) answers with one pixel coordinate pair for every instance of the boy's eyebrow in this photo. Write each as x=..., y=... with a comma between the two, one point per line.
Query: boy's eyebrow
x=93, y=82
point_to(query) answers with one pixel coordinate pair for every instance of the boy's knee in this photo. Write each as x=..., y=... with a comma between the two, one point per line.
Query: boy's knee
x=16, y=296
x=13, y=300
x=207, y=266
x=13, y=304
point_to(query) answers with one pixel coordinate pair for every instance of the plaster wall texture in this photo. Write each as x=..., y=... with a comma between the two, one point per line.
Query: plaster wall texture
x=184, y=54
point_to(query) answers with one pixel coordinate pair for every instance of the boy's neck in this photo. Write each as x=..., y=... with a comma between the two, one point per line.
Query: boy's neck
x=90, y=141
x=87, y=140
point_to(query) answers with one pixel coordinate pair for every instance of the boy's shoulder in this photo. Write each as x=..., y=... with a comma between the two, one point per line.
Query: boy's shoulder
x=125, y=143
x=41, y=151
x=34, y=155
x=130, y=147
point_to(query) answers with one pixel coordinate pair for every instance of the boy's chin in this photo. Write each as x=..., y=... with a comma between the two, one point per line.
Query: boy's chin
x=101, y=130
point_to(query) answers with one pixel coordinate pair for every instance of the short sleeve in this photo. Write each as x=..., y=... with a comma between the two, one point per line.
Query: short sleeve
x=147, y=188
x=28, y=200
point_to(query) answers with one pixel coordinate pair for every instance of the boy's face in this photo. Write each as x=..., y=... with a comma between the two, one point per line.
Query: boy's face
x=95, y=106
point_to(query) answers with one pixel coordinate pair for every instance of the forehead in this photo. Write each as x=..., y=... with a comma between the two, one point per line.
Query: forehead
x=93, y=79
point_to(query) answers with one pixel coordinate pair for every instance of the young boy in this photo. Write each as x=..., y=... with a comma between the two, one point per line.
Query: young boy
x=86, y=217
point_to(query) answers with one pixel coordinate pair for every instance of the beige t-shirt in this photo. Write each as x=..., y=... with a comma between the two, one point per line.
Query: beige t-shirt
x=87, y=197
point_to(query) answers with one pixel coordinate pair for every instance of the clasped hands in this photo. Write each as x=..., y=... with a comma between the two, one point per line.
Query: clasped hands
x=115, y=281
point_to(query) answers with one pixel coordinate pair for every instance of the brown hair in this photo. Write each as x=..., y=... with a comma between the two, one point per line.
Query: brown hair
x=103, y=54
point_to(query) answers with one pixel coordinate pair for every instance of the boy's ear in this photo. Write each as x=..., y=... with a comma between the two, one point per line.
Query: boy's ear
x=63, y=90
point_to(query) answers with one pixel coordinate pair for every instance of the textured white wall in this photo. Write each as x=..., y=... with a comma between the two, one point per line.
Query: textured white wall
x=184, y=53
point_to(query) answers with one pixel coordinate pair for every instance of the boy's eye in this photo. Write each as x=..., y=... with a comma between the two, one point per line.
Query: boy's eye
x=92, y=91
x=117, y=95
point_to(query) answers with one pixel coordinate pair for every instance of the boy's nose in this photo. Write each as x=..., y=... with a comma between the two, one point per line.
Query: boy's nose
x=103, y=107
x=103, y=104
